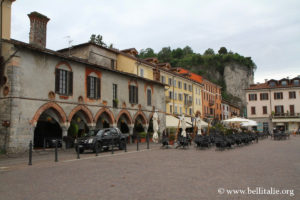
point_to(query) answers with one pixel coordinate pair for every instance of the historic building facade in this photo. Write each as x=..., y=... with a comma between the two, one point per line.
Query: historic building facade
x=46, y=93
x=275, y=104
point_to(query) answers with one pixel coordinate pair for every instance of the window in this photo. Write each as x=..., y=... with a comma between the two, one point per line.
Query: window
x=179, y=84
x=185, y=86
x=292, y=110
x=63, y=82
x=292, y=95
x=93, y=87
x=190, y=88
x=272, y=84
x=133, y=94
x=115, y=91
x=163, y=80
x=112, y=64
x=296, y=82
x=279, y=110
x=180, y=110
x=180, y=97
x=170, y=94
x=175, y=109
x=175, y=96
x=253, y=111
x=141, y=72
x=149, y=97
x=190, y=111
x=252, y=97
x=170, y=81
x=278, y=95
x=264, y=96
x=171, y=111
x=174, y=83
x=284, y=83
x=265, y=111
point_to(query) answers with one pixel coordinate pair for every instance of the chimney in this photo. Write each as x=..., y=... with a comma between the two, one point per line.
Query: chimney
x=266, y=80
x=5, y=15
x=38, y=29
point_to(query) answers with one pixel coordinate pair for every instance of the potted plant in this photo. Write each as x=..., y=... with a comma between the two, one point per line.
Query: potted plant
x=171, y=138
x=143, y=136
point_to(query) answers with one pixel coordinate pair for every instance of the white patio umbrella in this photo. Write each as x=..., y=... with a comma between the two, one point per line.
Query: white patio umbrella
x=249, y=123
x=236, y=120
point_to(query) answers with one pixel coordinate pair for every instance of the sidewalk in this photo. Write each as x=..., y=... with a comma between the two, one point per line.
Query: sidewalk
x=48, y=155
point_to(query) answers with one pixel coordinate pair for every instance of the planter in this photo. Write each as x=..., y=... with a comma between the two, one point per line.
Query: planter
x=171, y=142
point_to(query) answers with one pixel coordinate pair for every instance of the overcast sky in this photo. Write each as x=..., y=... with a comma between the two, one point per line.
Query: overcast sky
x=266, y=30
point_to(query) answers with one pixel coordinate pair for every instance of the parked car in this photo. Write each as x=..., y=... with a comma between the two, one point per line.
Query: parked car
x=101, y=139
x=50, y=142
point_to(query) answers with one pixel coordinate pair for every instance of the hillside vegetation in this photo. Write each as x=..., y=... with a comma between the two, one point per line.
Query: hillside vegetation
x=209, y=64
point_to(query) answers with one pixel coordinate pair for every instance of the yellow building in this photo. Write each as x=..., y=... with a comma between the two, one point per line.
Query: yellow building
x=183, y=95
x=128, y=62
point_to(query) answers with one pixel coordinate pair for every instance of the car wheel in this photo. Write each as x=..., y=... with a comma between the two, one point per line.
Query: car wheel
x=122, y=145
x=98, y=147
x=80, y=150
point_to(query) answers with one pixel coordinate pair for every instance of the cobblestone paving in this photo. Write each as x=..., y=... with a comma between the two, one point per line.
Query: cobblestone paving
x=157, y=174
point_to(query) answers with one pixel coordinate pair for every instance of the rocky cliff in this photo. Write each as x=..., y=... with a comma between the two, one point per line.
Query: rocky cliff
x=237, y=78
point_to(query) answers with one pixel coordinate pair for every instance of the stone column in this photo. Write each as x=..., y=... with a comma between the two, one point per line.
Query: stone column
x=130, y=132
x=64, y=128
x=145, y=126
x=113, y=125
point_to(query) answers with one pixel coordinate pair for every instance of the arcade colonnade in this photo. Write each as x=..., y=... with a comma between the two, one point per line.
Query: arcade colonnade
x=52, y=113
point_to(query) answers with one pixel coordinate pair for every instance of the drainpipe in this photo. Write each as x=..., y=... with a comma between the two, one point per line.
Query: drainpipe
x=1, y=58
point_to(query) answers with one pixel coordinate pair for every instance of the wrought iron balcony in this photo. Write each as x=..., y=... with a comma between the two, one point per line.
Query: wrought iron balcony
x=188, y=103
x=168, y=99
x=286, y=115
x=211, y=102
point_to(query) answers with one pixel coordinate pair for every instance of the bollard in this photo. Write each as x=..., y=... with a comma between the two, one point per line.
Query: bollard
x=137, y=142
x=125, y=144
x=30, y=153
x=56, y=141
x=44, y=144
x=96, y=148
x=147, y=140
x=77, y=147
x=112, y=145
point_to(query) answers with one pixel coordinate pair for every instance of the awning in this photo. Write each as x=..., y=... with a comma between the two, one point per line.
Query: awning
x=286, y=120
x=172, y=122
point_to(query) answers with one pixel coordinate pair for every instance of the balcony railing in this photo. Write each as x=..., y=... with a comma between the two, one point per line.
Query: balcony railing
x=188, y=103
x=168, y=99
x=285, y=115
x=211, y=102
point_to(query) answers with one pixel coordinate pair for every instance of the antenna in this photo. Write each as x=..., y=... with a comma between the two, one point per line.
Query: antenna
x=69, y=40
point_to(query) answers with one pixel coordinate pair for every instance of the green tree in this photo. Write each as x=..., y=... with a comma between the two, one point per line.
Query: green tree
x=222, y=51
x=187, y=50
x=165, y=54
x=209, y=51
x=147, y=53
x=97, y=39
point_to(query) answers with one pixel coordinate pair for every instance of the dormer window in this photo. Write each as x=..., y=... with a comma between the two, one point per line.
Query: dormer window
x=272, y=84
x=296, y=82
x=284, y=83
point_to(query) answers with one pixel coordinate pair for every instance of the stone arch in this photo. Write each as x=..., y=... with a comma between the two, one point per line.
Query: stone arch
x=63, y=63
x=88, y=114
x=125, y=112
x=143, y=116
x=108, y=112
x=51, y=105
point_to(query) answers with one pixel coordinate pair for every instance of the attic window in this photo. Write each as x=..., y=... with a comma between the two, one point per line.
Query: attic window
x=272, y=84
x=284, y=83
x=296, y=82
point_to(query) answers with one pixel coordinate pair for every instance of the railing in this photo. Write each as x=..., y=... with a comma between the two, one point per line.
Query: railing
x=188, y=103
x=168, y=99
x=285, y=115
x=211, y=102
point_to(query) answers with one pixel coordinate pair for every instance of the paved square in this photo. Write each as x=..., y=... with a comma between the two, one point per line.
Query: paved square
x=160, y=174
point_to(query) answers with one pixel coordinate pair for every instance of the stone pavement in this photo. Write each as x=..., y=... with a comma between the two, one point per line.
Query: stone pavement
x=159, y=174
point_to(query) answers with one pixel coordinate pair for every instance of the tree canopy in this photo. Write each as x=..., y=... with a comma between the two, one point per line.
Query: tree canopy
x=98, y=39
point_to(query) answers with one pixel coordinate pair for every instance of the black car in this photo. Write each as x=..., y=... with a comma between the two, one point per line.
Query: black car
x=101, y=139
x=51, y=142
